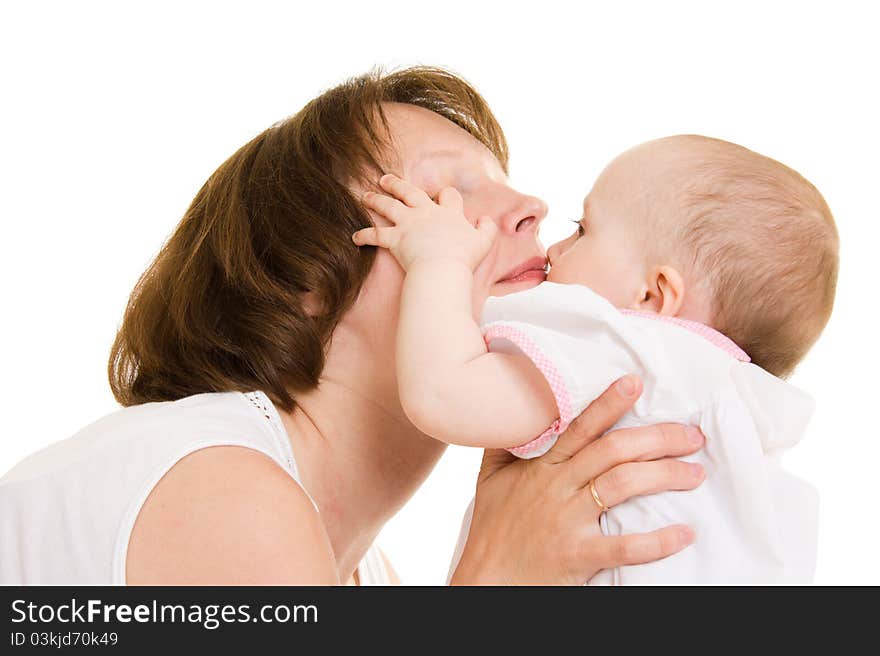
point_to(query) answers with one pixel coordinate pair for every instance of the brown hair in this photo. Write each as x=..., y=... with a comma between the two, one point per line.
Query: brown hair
x=221, y=306
x=765, y=240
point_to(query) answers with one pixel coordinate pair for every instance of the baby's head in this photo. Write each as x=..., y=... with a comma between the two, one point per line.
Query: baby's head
x=706, y=230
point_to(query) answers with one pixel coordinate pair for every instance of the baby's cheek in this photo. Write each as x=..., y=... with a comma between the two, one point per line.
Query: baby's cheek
x=589, y=273
x=560, y=273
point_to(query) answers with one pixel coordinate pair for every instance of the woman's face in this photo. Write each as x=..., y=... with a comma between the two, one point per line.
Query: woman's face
x=433, y=153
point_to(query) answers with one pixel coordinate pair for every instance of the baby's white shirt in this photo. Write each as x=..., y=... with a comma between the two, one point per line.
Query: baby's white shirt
x=754, y=522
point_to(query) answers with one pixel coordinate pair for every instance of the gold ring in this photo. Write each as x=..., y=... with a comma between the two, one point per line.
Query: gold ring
x=596, y=498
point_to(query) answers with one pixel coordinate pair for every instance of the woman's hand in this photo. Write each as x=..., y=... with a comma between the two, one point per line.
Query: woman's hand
x=425, y=230
x=536, y=522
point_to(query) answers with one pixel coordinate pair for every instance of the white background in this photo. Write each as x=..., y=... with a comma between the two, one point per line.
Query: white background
x=113, y=116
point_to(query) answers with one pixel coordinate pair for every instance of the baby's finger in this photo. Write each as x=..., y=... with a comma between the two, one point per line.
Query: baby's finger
x=488, y=228
x=403, y=190
x=391, y=208
x=382, y=237
x=449, y=197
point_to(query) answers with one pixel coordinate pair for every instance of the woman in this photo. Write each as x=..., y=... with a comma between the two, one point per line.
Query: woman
x=263, y=441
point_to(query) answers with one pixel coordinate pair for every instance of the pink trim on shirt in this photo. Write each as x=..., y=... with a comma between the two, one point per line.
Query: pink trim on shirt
x=721, y=341
x=549, y=371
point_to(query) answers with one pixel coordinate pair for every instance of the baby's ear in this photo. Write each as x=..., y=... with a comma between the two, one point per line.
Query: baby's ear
x=663, y=291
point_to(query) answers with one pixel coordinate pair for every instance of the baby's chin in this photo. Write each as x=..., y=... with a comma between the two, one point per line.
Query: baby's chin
x=563, y=280
x=556, y=278
x=560, y=280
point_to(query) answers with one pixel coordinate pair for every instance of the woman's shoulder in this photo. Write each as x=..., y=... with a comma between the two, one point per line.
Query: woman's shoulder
x=213, y=461
x=136, y=438
x=228, y=515
x=231, y=508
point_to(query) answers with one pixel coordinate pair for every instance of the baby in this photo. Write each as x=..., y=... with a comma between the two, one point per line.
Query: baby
x=705, y=268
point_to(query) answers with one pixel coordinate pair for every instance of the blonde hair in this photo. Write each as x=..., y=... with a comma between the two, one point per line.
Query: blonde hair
x=764, y=241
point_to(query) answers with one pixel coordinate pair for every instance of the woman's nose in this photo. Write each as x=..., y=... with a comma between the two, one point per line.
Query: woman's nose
x=525, y=214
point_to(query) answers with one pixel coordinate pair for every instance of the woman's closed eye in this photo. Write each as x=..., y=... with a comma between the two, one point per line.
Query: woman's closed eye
x=581, y=231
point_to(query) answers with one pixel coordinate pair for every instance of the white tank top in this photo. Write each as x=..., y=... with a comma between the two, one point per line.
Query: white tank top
x=67, y=511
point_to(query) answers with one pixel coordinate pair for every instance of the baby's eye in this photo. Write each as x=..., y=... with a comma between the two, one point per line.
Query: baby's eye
x=580, y=227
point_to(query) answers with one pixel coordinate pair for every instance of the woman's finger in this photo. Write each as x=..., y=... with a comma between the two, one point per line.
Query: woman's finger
x=493, y=461
x=633, y=479
x=386, y=206
x=637, y=548
x=599, y=416
x=404, y=191
x=382, y=237
x=632, y=444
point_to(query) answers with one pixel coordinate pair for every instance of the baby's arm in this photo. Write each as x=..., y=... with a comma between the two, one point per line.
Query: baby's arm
x=451, y=387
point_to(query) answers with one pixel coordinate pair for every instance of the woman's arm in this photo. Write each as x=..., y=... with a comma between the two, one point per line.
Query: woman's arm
x=252, y=526
x=549, y=497
x=450, y=387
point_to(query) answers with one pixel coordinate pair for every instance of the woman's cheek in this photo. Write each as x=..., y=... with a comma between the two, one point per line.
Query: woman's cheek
x=384, y=284
x=483, y=276
x=429, y=181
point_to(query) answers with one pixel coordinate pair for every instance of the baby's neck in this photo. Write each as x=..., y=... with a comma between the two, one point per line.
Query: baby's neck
x=696, y=307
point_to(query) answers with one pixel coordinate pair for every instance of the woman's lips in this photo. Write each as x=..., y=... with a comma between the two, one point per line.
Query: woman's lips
x=533, y=269
x=531, y=274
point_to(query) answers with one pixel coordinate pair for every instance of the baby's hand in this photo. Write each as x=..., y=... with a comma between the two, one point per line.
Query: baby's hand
x=424, y=229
